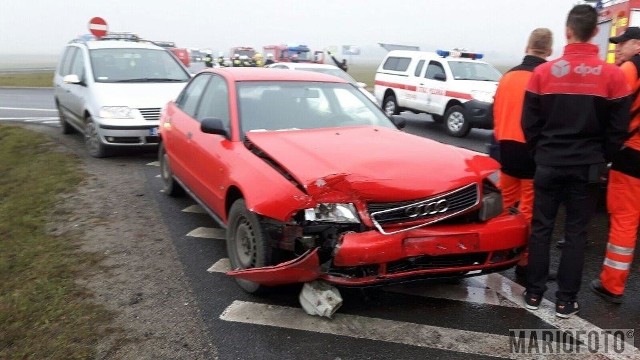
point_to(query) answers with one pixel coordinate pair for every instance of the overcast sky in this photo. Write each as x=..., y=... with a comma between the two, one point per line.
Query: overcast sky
x=497, y=27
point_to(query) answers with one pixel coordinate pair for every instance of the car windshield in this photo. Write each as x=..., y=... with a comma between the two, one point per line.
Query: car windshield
x=467, y=70
x=136, y=65
x=335, y=72
x=284, y=105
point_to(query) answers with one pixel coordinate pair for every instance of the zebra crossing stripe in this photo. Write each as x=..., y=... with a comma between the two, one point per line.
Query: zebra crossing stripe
x=197, y=209
x=221, y=266
x=361, y=327
x=208, y=233
x=154, y=163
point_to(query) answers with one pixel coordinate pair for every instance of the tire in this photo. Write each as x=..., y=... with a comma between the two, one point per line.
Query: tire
x=390, y=105
x=438, y=119
x=64, y=124
x=94, y=146
x=456, y=122
x=247, y=244
x=169, y=185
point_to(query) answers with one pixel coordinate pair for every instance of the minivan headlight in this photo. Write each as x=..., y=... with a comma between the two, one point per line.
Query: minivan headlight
x=332, y=212
x=116, y=112
x=484, y=96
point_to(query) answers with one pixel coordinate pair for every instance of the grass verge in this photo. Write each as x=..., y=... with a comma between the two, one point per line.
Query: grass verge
x=37, y=79
x=43, y=312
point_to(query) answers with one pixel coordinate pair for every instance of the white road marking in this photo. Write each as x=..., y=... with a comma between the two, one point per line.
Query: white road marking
x=221, y=266
x=26, y=109
x=42, y=119
x=208, y=233
x=158, y=176
x=51, y=121
x=513, y=292
x=154, y=163
x=194, y=209
x=406, y=333
x=470, y=293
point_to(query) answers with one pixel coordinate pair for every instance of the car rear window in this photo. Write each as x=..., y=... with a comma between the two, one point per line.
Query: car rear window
x=397, y=63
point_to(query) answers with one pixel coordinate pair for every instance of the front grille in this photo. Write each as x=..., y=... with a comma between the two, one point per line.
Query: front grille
x=427, y=210
x=151, y=114
x=436, y=262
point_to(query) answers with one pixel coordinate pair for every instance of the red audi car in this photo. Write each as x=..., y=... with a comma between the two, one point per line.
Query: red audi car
x=312, y=181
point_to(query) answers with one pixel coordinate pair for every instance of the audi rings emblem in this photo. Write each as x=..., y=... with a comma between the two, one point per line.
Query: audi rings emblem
x=427, y=208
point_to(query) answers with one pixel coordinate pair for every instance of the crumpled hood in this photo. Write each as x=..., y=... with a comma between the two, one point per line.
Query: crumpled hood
x=371, y=163
x=136, y=95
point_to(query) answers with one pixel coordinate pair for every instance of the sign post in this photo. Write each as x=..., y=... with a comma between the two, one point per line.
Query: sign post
x=98, y=27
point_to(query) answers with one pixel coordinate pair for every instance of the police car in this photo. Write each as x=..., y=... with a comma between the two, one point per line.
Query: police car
x=454, y=87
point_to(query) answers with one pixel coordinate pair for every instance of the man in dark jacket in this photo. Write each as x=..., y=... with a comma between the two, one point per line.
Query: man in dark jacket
x=575, y=117
x=341, y=64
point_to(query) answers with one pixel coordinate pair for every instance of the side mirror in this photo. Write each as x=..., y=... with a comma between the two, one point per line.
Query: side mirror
x=71, y=79
x=399, y=121
x=440, y=77
x=213, y=126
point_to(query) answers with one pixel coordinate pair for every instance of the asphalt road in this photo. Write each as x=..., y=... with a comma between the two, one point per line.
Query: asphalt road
x=461, y=320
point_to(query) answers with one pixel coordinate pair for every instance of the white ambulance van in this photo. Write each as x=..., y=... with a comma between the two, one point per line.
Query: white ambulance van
x=454, y=87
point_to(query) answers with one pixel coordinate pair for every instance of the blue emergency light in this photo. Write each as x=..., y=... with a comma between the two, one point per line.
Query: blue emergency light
x=456, y=53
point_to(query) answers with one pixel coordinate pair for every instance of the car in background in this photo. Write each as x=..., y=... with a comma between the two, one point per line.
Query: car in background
x=325, y=69
x=112, y=91
x=312, y=181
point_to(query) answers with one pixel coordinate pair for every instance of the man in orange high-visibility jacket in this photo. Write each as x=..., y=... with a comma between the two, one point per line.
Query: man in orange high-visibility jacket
x=518, y=167
x=623, y=189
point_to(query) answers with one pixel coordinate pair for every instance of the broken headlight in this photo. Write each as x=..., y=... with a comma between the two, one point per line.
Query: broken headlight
x=333, y=212
x=491, y=199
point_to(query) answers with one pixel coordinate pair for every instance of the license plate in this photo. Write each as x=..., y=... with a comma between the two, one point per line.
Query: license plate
x=153, y=131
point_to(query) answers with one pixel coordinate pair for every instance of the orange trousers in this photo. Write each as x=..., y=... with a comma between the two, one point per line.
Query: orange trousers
x=623, y=204
x=518, y=191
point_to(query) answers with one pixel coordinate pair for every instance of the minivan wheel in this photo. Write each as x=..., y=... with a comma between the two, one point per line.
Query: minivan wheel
x=170, y=186
x=64, y=124
x=94, y=146
x=390, y=105
x=456, y=121
x=247, y=244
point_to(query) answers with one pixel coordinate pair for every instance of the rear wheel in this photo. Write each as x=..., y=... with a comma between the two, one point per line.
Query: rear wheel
x=456, y=121
x=390, y=105
x=94, y=145
x=247, y=244
x=64, y=124
x=169, y=184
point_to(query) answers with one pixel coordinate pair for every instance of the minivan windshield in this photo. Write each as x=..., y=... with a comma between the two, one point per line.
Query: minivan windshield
x=136, y=65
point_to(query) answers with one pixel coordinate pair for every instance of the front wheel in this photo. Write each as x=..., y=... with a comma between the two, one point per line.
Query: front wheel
x=456, y=121
x=92, y=141
x=247, y=244
x=390, y=105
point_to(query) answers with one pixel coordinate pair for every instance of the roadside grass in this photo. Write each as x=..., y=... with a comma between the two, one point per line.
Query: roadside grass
x=43, y=312
x=36, y=79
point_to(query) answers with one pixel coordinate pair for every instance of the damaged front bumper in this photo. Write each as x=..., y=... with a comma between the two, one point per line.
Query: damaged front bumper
x=371, y=258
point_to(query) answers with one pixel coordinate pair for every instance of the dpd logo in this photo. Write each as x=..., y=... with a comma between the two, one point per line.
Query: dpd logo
x=561, y=68
x=585, y=70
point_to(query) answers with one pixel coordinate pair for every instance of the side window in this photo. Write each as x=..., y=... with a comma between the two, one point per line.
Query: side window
x=190, y=97
x=77, y=64
x=215, y=101
x=419, y=68
x=434, y=68
x=65, y=65
x=397, y=63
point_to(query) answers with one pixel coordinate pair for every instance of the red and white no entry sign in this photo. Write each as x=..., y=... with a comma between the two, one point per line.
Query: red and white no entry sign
x=98, y=27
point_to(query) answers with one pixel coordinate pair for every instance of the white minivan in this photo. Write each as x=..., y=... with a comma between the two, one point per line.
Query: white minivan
x=454, y=87
x=112, y=91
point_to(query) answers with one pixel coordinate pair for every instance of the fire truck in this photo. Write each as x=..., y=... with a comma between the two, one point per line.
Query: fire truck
x=181, y=53
x=293, y=53
x=614, y=16
x=247, y=51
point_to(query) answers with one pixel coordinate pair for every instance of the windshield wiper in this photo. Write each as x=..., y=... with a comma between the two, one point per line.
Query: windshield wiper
x=150, y=80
